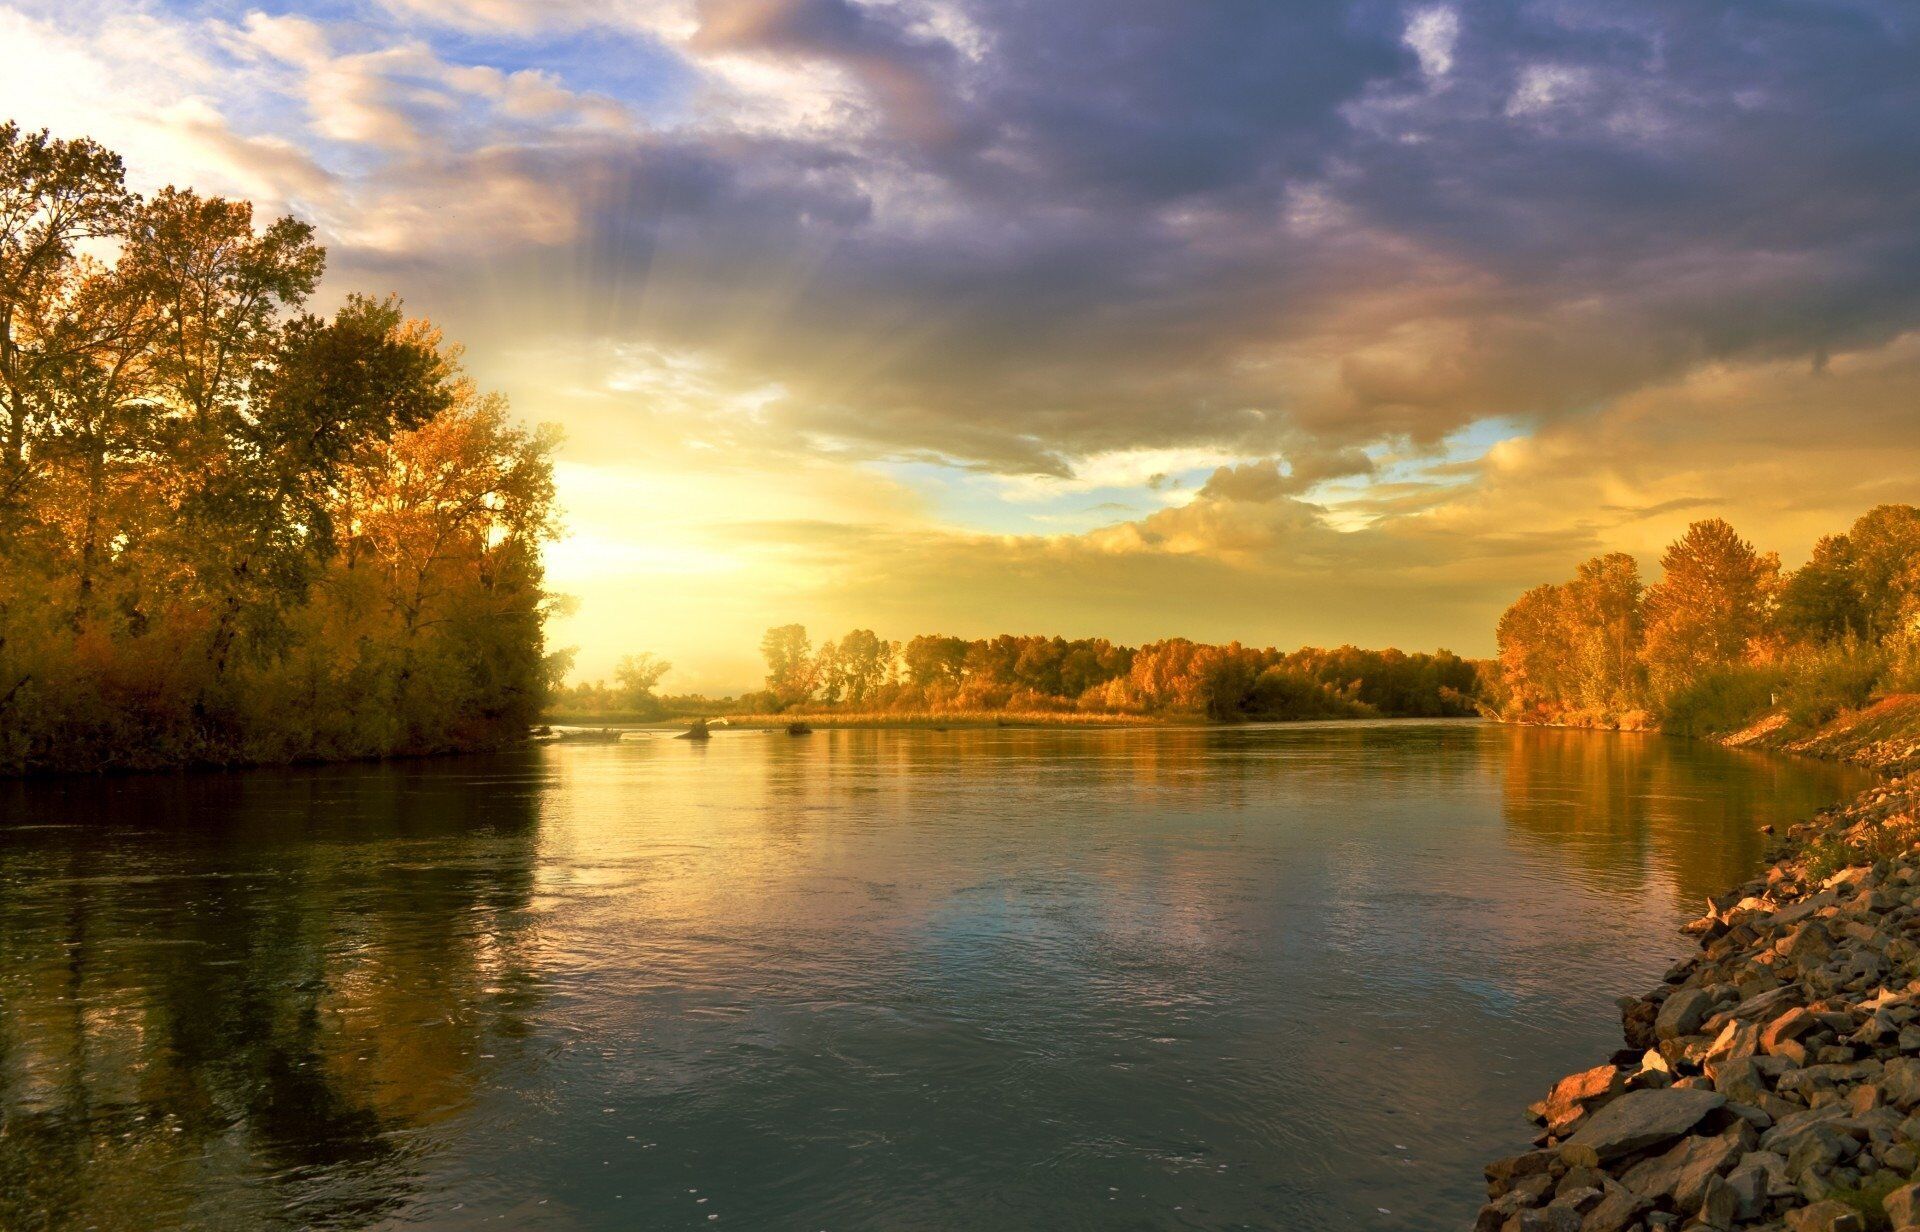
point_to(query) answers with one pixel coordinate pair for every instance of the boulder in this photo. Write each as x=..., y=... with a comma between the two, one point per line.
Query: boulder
x=1683, y=1013
x=1682, y=1173
x=1789, y=1026
x=1576, y=1094
x=1641, y=1119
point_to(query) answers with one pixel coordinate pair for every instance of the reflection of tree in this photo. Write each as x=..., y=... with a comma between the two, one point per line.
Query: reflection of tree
x=228, y=1012
x=1621, y=803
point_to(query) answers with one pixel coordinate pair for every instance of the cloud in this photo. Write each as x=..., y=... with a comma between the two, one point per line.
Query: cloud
x=1432, y=33
x=1287, y=257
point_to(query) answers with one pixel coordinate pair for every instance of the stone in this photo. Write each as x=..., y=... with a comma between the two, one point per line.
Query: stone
x=1682, y=1172
x=1740, y=1079
x=1617, y=1210
x=1641, y=1119
x=1577, y=1094
x=1900, y=1082
x=1546, y=1219
x=1736, y=1039
x=1504, y=1174
x=1719, y=1204
x=1826, y=1216
x=1819, y=1151
x=1903, y=1206
x=1787, y=1027
x=1748, y=1185
x=1682, y=1013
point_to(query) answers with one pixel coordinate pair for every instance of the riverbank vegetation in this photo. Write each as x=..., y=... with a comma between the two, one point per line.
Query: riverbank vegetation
x=863, y=677
x=234, y=530
x=1724, y=638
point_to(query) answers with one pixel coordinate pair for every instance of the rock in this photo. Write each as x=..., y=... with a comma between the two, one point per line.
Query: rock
x=1682, y=1172
x=1546, y=1219
x=1682, y=1013
x=1637, y=1017
x=1577, y=1094
x=1640, y=1119
x=1504, y=1174
x=1741, y=1080
x=1827, y=1216
x=1736, y=1039
x=1788, y=1026
x=1747, y=1184
x=1617, y=1209
x=1719, y=1204
x=1900, y=1082
x=1819, y=1151
x=1903, y=1206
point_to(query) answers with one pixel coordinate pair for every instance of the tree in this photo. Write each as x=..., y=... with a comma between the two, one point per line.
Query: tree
x=1602, y=604
x=1713, y=606
x=1885, y=544
x=1536, y=660
x=54, y=194
x=1822, y=600
x=638, y=675
x=860, y=665
x=231, y=530
x=935, y=660
x=791, y=669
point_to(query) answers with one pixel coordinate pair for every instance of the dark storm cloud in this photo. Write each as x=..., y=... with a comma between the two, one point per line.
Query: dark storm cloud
x=1080, y=226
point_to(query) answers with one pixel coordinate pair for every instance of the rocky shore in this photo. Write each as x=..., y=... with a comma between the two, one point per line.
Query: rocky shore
x=1772, y=1081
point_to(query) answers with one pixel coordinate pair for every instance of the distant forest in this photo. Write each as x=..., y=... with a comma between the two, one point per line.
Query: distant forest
x=231, y=530
x=1723, y=637
x=863, y=673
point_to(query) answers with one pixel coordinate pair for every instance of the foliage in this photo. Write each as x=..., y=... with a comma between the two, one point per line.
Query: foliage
x=1007, y=673
x=1722, y=637
x=232, y=530
x=1722, y=699
x=1827, y=679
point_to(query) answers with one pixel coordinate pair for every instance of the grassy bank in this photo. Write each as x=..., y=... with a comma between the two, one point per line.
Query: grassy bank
x=1883, y=736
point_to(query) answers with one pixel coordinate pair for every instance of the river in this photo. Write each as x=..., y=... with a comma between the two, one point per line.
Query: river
x=1298, y=978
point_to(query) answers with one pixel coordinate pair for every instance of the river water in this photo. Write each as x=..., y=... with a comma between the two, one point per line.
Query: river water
x=1294, y=978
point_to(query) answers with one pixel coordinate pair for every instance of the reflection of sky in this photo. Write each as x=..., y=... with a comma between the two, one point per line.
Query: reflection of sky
x=871, y=977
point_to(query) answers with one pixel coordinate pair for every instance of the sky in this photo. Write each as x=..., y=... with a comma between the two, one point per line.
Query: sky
x=1292, y=322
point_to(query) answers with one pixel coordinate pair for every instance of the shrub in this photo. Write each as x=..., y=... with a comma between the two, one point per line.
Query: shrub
x=1723, y=699
x=1826, y=680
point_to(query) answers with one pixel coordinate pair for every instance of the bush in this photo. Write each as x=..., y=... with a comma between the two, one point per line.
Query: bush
x=1826, y=680
x=1721, y=700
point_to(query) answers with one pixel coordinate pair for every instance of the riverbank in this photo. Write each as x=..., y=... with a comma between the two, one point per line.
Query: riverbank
x=1773, y=1079
x=1884, y=736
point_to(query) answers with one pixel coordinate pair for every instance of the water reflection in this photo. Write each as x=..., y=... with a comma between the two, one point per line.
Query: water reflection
x=1632, y=808
x=1177, y=978
x=223, y=997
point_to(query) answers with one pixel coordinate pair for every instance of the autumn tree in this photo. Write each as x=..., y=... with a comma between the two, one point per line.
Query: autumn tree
x=637, y=676
x=1821, y=601
x=791, y=668
x=1713, y=606
x=232, y=530
x=1885, y=566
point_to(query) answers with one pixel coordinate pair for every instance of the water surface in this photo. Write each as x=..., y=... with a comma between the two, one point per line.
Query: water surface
x=1298, y=978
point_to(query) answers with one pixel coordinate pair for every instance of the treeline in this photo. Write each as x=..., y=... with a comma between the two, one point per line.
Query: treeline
x=931, y=673
x=1723, y=636
x=232, y=530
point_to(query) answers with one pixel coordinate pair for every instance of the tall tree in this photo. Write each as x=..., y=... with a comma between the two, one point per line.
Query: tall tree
x=54, y=194
x=1713, y=606
x=790, y=664
x=1602, y=605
